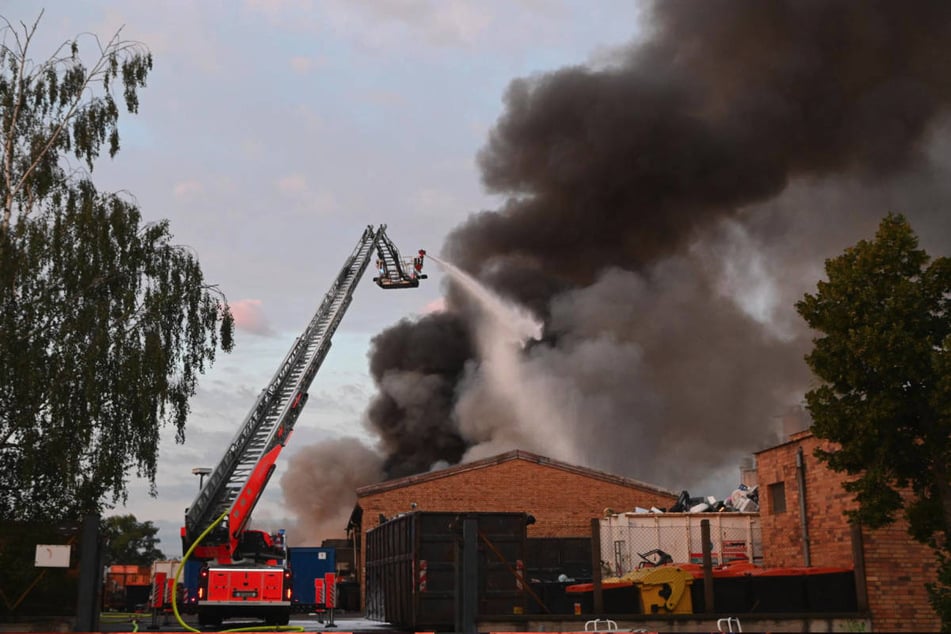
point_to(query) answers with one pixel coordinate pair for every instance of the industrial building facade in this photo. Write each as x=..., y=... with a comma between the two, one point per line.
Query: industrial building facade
x=563, y=498
x=802, y=505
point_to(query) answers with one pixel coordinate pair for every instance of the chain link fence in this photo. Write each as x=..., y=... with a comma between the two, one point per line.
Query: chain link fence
x=631, y=541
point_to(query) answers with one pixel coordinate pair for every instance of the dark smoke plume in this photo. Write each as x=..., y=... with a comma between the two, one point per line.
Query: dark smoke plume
x=417, y=366
x=721, y=109
x=319, y=487
x=663, y=212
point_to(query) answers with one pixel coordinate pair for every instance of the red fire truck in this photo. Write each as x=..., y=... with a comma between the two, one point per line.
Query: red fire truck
x=246, y=572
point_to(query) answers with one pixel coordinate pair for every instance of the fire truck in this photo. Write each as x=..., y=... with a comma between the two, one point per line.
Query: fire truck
x=246, y=572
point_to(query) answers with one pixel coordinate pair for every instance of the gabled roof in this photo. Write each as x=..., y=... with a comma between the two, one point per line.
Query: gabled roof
x=516, y=454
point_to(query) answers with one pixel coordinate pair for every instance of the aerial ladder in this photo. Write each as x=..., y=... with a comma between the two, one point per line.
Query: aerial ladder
x=246, y=572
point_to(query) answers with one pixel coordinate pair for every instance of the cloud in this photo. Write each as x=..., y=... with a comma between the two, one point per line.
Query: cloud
x=188, y=188
x=301, y=64
x=249, y=317
x=456, y=22
x=388, y=98
x=274, y=9
x=294, y=185
x=310, y=119
x=384, y=25
x=433, y=203
x=297, y=188
x=438, y=305
x=189, y=30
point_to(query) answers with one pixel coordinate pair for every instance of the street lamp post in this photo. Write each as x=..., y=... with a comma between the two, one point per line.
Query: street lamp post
x=201, y=472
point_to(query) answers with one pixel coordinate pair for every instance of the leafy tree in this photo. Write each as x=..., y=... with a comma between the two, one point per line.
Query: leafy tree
x=884, y=358
x=104, y=323
x=129, y=541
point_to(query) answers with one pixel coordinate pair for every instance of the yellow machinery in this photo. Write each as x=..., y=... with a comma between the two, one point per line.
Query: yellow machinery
x=664, y=590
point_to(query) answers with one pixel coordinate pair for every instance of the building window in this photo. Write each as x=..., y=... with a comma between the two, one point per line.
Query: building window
x=777, y=497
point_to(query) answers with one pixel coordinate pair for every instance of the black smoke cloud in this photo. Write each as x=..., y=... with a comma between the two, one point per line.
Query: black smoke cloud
x=619, y=180
x=417, y=365
x=725, y=105
x=663, y=211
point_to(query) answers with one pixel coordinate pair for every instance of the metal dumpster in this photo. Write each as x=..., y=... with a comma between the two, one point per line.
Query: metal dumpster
x=830, y=590
x=412, y=571
x=778, y=590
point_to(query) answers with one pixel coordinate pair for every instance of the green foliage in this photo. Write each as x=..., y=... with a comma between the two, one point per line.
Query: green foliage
x=883, y=356
x=939, y=592
x=105, y=324
x=127, y=541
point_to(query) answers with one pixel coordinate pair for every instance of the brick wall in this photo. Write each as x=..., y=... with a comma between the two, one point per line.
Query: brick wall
x=897, y=567
x=829, y=537
x=563, y=501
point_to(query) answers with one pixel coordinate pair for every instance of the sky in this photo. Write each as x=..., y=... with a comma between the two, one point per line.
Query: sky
x=649, y=187
x=272, y=132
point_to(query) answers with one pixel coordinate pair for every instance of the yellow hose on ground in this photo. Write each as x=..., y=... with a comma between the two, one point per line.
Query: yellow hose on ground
x=119, y=617
x=178, y=574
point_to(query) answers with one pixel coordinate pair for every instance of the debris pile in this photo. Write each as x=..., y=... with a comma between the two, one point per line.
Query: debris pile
x=744, y=499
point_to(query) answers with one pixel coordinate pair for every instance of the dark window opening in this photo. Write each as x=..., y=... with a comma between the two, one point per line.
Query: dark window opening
x=777, y=497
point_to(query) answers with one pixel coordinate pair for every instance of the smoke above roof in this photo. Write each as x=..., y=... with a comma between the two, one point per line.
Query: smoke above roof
x=663, y=212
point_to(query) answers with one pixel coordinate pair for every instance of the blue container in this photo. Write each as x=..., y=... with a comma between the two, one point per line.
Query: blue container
x=189, y=582
x=308, y=563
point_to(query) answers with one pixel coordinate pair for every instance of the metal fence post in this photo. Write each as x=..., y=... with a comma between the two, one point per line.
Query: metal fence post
x=707, y=546
x=598, y=595
x=90, y=577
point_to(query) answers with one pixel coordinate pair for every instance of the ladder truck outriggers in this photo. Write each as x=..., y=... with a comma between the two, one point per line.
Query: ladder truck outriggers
x=246, y=572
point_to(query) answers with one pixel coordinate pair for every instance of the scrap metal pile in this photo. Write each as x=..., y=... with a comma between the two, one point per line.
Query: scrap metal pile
x=744, y=499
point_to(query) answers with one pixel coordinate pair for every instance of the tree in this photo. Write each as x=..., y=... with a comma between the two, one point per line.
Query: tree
x=105, y=324
x=129, y=541
x=883, y=356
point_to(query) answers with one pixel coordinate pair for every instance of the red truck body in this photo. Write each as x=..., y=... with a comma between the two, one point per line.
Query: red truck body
x=259, y=592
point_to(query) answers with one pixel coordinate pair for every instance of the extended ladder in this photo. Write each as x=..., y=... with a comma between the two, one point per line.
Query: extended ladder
x=276, y=409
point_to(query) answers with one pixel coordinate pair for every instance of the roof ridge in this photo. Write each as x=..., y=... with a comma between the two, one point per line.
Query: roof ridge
x=514, y=454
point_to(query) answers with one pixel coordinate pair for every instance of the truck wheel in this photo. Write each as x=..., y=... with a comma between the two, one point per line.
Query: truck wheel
x=205, y=619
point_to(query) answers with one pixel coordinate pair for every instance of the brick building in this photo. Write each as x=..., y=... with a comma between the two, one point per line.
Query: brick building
x=802, y=506
x=562, y=497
